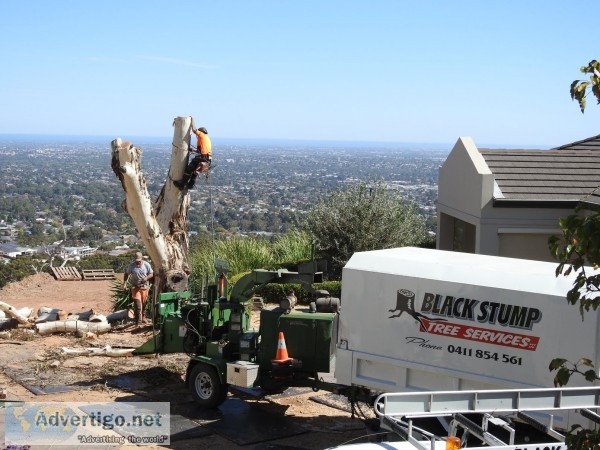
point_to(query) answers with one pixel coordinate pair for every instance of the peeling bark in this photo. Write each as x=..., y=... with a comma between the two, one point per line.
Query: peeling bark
x=162, y=225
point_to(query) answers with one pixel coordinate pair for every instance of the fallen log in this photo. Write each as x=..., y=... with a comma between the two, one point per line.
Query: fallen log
x=97, y=318
x=94, y=351
x=25, y=312
x=46, y=310
x=84, y=315
x=11, y=311
x=47, y=318
x=8, y=324
x=70, y=326
x=118, y=315
x=46, y=314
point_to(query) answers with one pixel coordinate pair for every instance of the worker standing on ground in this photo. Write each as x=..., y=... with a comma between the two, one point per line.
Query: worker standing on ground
x=201, y=163
x=138, y=273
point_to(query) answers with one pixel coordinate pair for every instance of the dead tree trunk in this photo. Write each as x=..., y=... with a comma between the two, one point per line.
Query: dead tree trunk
x=162, y=225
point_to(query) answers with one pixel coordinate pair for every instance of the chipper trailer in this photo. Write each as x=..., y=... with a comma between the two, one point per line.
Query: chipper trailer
x=215, y=332
x=409, y=319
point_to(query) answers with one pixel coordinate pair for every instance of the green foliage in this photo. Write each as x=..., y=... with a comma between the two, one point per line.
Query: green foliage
x=577, y=248
x=360, y=218
x=17, y=269
x=102, y=261
x=292, y=247
x=121, y=298
x=333, y=287
x=581, y=88
x=273, y=293
x=246, y=254
x=565, y=369
x=582, y=438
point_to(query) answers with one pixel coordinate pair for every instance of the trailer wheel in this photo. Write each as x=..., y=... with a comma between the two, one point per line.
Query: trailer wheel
x=206, y=386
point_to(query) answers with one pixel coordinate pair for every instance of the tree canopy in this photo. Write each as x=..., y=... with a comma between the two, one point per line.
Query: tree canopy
x=360, y=218
x=579, y=244
x=578, y=248
x=581, y=88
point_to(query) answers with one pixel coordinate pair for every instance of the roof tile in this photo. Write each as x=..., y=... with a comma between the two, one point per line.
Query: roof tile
x=568, y=173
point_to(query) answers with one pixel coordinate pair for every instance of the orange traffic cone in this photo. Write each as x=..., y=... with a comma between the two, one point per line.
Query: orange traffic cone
x=282, y=355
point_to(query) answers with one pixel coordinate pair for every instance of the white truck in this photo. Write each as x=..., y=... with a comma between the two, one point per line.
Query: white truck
x=429, y=320
x=444, y=333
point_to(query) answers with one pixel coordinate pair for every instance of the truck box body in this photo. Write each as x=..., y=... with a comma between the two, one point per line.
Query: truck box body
x=420, y=319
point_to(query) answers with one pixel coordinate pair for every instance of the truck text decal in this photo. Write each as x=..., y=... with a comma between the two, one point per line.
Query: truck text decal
x=479, y=334
x=485, y=312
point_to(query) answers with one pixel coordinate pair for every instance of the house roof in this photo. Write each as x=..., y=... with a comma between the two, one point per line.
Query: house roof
x=591, y=143
x=562, y=177
x=10, y=247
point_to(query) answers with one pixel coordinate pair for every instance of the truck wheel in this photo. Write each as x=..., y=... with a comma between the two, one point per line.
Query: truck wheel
x=207, y=389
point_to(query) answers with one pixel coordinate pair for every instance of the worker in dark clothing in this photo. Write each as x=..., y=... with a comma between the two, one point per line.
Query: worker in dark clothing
x=200, y=163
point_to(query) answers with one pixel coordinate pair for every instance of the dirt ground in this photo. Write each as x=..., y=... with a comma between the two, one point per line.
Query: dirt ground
x=33, y=368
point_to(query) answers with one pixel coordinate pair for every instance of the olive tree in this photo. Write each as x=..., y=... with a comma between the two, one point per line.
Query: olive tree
x=362, y=217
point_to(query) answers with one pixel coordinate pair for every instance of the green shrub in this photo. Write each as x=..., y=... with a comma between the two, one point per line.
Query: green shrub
x=292, y=247
x=103, y=261
x=333, y=287
x=17, y=269
x=120, y=296
x=246, y=254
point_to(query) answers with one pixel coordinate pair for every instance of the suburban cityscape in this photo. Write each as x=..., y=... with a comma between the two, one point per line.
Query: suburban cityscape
x=60, y=195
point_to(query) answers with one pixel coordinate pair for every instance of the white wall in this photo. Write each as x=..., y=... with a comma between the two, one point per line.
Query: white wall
x=465, y=186
x=466, y=191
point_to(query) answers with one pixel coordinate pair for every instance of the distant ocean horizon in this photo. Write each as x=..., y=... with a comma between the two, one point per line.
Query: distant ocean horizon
x=140, y=140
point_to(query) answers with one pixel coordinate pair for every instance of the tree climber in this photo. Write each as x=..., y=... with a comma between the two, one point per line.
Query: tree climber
x=201, y=163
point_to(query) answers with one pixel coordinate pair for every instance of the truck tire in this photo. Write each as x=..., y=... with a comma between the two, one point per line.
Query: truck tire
x=206, y=386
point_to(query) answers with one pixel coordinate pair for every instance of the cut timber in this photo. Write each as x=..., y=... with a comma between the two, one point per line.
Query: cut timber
x=104, y=351
x=118, y=315
x=98, y=274
x=8, y=324
x=66, y=273
x=83, y=315
x=48, y=317
x=70, y=326
x=47, y=310
x=25, y=311
x=11, y=311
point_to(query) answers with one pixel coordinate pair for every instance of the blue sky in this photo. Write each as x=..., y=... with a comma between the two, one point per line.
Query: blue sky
x=377, y=70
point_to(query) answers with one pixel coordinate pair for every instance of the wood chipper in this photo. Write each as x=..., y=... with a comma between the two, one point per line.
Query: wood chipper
x=215, y=332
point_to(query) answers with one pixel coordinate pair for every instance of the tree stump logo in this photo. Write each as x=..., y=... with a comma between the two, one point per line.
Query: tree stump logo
x=405, y=303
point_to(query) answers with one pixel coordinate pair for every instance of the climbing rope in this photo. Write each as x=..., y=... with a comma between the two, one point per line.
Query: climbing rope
x=212, y=217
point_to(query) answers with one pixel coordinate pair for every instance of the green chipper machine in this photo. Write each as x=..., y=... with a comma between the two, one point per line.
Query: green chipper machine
x=225, y=351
